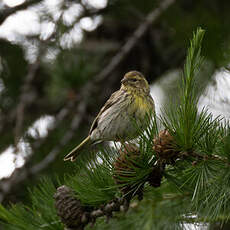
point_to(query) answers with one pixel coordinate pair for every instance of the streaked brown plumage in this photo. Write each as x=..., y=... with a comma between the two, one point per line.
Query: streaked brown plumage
x=115, y=122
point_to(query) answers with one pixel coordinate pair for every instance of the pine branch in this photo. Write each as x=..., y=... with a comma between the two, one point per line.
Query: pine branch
x=75, y=216
x=201, y=157
x=91, y=200
x=183, y=120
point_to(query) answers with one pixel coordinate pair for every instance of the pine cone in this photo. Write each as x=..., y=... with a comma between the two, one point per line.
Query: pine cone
x=124, y=169
x=164, y=147
x=69, y=208
x=156, y=175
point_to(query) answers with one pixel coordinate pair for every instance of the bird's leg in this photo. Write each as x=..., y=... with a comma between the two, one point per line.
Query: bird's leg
x=123, y=144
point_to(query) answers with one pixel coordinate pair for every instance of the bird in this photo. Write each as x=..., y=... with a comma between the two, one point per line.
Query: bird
x=115, y=121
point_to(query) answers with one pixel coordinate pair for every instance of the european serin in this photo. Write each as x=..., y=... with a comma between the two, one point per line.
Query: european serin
x=115, y=120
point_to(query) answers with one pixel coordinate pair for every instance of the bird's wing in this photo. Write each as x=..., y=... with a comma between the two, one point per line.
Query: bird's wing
x=111, y=101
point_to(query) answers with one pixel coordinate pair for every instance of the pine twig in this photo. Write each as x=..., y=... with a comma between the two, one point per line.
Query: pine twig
x=76, y=216
x=205, y=157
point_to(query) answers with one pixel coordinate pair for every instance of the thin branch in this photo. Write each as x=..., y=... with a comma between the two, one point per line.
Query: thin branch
x=133, y=40
x=76, y=216
x=206, y=157
x=24, y=98
x=25, y=89
x=67, y=137
x=62, y=114
x=21, y=174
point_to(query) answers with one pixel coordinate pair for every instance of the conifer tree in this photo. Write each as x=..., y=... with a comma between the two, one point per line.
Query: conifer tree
x=167, y=178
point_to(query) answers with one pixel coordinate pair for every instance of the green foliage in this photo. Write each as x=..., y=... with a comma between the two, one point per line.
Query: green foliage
x=93, y=181
x=214, y=19
x=41, y=214
x=198, y=136
x=224, y=148
x=184, y=122
x=161, y=208
x=69, y=72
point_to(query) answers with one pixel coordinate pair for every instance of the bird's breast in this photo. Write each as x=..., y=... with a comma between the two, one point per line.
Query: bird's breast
x=141, y=105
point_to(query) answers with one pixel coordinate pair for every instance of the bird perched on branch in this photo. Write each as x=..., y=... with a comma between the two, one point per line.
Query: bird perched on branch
x=123, y=112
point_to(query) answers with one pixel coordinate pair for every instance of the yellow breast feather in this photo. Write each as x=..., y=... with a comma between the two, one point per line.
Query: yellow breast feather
x=141, y=104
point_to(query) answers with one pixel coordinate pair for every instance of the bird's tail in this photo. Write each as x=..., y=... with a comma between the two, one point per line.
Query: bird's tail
x=77, y=150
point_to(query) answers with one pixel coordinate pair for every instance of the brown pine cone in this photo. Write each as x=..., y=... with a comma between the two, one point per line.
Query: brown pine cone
x=164, y=147
x=124, y=169
x=69, y=208
x=155, y=177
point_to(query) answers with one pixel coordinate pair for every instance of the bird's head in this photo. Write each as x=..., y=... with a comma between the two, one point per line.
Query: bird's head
x=135, y=81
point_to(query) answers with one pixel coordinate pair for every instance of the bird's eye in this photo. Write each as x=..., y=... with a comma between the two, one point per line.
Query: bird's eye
x=133, y=80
